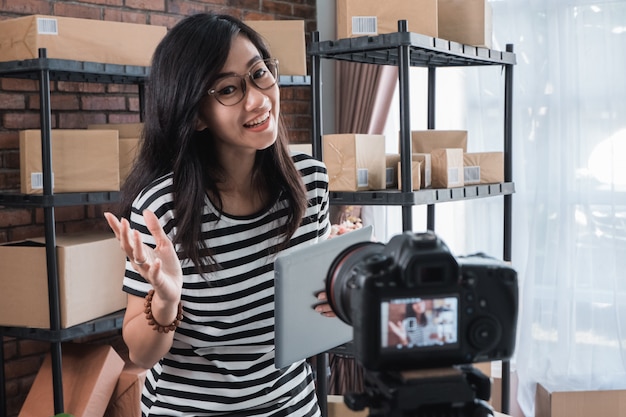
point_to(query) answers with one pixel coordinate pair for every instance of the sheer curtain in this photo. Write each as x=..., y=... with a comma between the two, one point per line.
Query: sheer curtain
x=569, y=209
x=570, y=128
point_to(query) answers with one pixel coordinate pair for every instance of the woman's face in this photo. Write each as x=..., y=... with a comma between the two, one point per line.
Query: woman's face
x=251, y=124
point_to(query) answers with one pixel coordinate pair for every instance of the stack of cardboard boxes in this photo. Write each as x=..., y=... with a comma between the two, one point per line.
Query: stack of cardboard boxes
x=357, y=162
x=467, y=22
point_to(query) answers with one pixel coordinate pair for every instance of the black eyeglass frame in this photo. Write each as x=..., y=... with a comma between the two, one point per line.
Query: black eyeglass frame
x=270, y=63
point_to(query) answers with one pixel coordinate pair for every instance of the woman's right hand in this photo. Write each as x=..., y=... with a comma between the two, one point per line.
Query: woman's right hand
x=159, y=266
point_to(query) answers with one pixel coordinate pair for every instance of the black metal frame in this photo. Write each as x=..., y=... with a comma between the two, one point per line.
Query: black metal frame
x=405, y=49
x=44, y=69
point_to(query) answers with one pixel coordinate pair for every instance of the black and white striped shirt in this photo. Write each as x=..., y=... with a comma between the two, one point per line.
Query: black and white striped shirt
x=222, y=358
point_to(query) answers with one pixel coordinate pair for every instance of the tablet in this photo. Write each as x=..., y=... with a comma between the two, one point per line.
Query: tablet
x=299, y=276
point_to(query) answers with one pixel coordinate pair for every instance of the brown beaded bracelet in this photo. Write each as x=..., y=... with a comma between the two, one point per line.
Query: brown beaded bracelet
x=155, y=325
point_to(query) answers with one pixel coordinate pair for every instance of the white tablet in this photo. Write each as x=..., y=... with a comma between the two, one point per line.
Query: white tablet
x=299, y=276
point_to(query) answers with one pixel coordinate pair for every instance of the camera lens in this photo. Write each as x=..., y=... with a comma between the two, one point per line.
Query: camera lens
x=344, y=271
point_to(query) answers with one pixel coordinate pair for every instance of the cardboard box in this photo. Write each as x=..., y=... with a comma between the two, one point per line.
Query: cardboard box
x=90, y=373
x=416, y=174
x=466, y=21
x=553, y=403
x=447, y=168
x=425, y=141
x=79, y=39
x=355, y=162
x=392, y=164
x=90, y=271
x=126, y=398
x=306, y=148
x=82, y=161
x=129, y=134
x=285, y=39
x=373, y=17
x=125, y=130
x=338, y=408
x=483, y=167
x=426, y=166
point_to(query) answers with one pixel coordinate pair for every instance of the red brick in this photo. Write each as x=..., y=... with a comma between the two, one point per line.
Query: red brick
x=103, y=102
x=80, y=120
x=117, y=15
x=122, y=88
x=94, y=225
x=26, y=232
x=15, y=84
x=124, y=118
x=12, y=101
x=62, y=214
x=21, y=367
x=28, y=6
x=10, y=348
x=158, y=5
x=164, y=20
x=278, y=8
x=184, y=7
x=133, y=104
x=9, y=140
x=9, y=180
x=28, y=347
x=57, y=102
x=75, y=10
x=75, y=87
x=15, y=217
x=105, y=2
x=23, y=121
x=12, y=160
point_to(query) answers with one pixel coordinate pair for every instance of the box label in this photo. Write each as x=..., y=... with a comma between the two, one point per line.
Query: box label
x=47, y=26
x=364, y=25
x=389, y=176
x=362, y=177
x=36, y=180
x=472, y=174
x=453, y=175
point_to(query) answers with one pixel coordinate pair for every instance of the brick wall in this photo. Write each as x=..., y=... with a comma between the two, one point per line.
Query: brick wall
x=75, y=105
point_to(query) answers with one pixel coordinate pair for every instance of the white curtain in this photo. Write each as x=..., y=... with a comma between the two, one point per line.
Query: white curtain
x=569, y=164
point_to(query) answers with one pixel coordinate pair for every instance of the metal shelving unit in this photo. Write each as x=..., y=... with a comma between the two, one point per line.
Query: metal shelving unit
x=404, y=50
x=44, y=70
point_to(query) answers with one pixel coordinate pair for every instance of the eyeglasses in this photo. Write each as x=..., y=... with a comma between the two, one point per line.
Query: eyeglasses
x=231, y=89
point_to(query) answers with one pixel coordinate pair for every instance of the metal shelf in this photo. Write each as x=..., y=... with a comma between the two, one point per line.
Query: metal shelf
x=58, y=200
x=425, y=51
x=78, y=71
x=100, y=325
x=420, y=197
x=294, y=80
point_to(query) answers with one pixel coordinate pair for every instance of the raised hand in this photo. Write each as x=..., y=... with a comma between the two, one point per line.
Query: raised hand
x=159, y=266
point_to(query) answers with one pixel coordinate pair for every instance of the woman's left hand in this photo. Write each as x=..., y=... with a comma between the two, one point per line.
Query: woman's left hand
x=323, y=307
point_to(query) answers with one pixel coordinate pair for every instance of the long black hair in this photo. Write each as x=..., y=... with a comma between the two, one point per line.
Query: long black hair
x=184, y=65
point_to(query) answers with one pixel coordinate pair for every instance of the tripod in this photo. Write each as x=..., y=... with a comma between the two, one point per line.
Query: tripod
x=447, y=392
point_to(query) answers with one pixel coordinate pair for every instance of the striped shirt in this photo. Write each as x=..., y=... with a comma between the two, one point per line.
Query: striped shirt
x=222, y=358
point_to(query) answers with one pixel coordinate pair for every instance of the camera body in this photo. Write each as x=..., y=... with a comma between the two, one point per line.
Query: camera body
x=413, y=305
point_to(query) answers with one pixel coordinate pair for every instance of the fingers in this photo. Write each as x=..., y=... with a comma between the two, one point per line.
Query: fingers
x=130, y=240
x=152, y=223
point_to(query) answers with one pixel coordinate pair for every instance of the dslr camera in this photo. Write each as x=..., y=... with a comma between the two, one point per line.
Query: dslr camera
x=413, y=305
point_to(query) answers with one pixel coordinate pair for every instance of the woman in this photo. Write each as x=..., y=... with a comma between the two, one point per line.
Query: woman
x=213, y=197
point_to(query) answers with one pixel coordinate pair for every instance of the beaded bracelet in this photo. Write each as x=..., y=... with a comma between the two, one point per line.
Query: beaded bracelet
x=155, y=325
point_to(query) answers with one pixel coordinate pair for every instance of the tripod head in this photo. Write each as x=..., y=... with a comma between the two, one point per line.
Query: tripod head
x=461, y=391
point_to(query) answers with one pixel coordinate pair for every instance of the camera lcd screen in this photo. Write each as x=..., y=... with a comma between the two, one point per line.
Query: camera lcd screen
x=420, y=323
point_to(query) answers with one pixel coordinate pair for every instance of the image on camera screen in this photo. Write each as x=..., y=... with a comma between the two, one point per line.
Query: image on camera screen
x=415, y=323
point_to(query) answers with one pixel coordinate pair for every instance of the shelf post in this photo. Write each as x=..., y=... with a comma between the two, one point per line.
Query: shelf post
x=50, y=232
x=508, y=204
x=432, y=85
x=404, y=63
x=316, y=101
